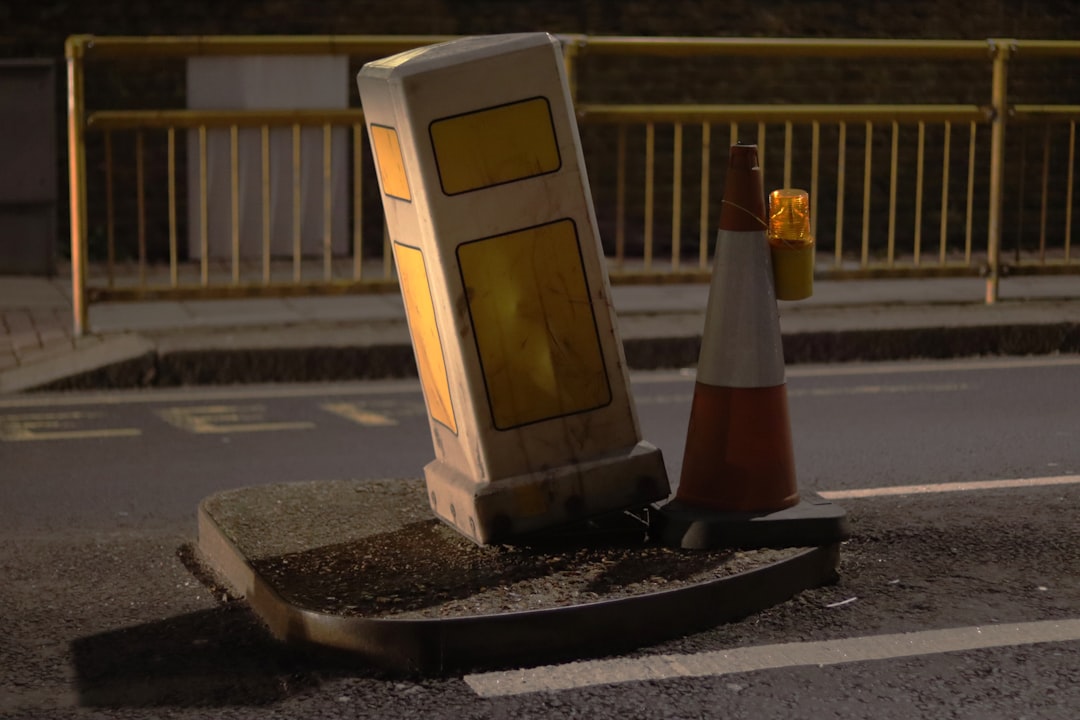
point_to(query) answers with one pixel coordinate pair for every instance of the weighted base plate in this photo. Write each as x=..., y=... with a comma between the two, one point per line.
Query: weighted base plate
x=363, y=567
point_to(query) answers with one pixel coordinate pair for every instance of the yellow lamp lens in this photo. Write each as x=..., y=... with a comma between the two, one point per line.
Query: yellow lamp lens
x=789, y=217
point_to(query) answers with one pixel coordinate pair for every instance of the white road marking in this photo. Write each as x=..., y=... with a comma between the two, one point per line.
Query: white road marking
x=949, y=487
x=883, y=368
x=555, y=678
x=687, y=398
x=412, y=385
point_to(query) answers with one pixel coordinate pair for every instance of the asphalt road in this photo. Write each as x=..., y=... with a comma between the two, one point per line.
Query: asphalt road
x=98, y=491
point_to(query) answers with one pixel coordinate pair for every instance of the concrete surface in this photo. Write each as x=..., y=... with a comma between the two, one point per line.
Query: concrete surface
x=365, y=336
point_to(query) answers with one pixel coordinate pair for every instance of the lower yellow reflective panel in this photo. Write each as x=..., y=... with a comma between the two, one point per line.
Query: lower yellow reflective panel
x=425, y=333
x=533, y=321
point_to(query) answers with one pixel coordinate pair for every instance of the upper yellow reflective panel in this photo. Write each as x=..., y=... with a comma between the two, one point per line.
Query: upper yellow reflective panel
x=495, y=146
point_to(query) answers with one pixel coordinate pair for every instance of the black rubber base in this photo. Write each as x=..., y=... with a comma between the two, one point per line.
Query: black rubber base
x=814, y=521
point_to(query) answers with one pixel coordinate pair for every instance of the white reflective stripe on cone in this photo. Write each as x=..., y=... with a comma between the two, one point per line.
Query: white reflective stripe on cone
x=741, y=346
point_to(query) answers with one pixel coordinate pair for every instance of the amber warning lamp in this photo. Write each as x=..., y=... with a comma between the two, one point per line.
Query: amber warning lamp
x=791, y=244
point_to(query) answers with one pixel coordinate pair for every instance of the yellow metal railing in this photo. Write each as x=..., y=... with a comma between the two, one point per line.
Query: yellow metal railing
x=633, y=257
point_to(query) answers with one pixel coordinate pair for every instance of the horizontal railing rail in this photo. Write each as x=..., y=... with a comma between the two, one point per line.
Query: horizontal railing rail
x=903, y=189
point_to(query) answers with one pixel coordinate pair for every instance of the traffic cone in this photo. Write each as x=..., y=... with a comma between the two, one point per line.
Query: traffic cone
x=738, y=485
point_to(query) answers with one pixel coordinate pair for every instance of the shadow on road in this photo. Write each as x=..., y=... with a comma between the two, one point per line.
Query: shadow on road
x=215, y=657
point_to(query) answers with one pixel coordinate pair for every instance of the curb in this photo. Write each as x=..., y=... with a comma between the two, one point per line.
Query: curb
x=143, y=365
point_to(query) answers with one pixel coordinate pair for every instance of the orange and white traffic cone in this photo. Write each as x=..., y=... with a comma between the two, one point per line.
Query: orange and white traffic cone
x=738, y=486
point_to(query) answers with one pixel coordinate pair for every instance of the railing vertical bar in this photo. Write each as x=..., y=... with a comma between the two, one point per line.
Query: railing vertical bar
x=650, y=153
x=110, y=213
x=140, y=203
x=620, y=197
x=676, y=197
x=999, y=103
x=815, y=163
x=943, y=237
x=204, y=212
x=970, y=196
x=787, y=153
x=703, y=238
x=328, y=202
x=893, y=165
x=234, y=200
x=264, y=134
x=76, y=137
x=920, y=164
x=761, y=149
x=358, y=202
x=174, y=261
x=841, y=177
x=1069, y=189
x=733, y=134
x=867, y=167
x=1045, y=188
x=296, y=201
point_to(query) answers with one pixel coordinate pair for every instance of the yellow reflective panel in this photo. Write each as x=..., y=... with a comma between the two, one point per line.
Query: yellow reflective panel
x=387, y=151
x=495, y=146
x=533, y=321
x=425, y=333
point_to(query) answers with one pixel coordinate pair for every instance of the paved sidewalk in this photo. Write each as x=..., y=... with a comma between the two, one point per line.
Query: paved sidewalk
x=330, y=338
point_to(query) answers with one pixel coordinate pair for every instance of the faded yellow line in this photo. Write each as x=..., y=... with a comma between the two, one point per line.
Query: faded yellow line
x=224, y=419
x=949, y=487
x=30, y=427
x=359, y=415
x=29, y=435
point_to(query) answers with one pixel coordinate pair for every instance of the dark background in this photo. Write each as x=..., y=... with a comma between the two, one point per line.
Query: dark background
x=38, y=29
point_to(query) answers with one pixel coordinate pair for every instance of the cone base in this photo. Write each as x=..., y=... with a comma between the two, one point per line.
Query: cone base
x=812, y=522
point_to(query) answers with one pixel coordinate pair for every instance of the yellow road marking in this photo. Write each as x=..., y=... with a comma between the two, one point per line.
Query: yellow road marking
x=359, y=415
x=56, y=426
x=218, y=419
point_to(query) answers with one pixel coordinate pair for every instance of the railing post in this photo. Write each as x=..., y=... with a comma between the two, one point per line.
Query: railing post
x=1000, y=51
x=74, y=49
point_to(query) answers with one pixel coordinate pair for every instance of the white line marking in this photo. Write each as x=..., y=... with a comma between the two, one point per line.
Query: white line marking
x=949, y=487
x=766, y=657
x=412, y=385
x=883, y=368
x=939, y=366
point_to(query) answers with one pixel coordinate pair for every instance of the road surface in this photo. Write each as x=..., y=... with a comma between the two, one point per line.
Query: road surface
x=958, y=598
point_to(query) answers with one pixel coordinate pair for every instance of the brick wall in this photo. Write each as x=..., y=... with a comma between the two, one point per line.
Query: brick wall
x=38, y=29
